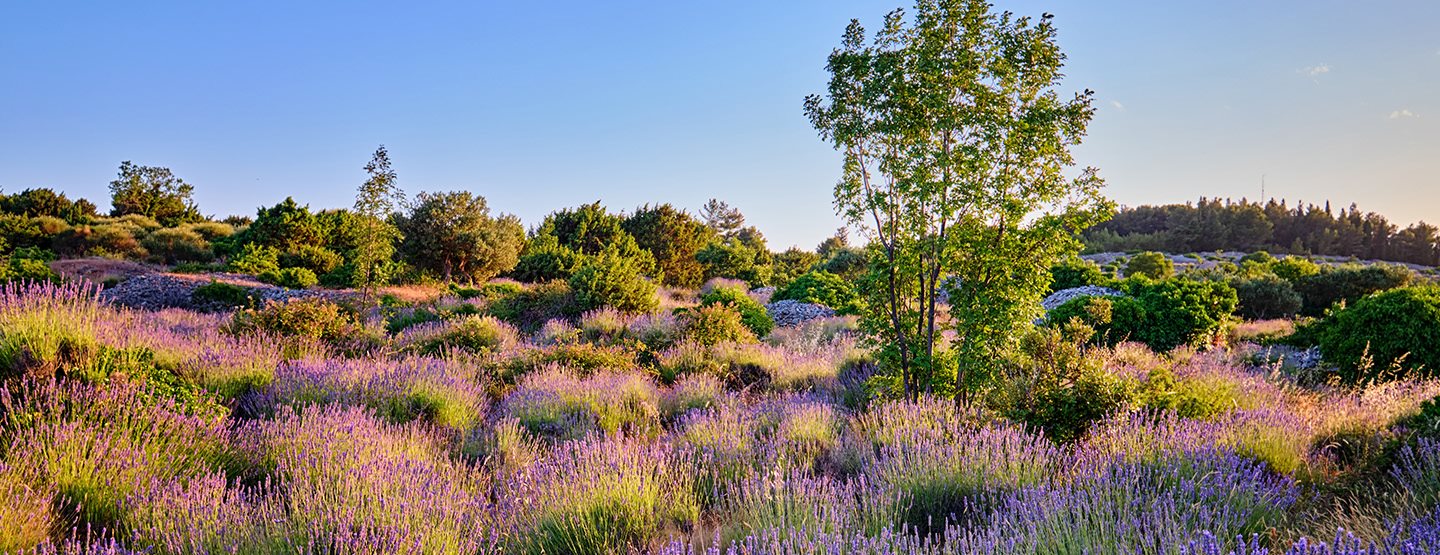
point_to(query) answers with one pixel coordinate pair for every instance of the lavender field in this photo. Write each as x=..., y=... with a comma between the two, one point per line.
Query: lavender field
x=182, y=432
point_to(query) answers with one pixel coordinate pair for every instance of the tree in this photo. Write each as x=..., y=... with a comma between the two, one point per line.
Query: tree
x=33, y=203
x=154, y=192
x=453, y=235
x=719, y=216
x=568, y=236
x=673, y=237
x=374, y=202
x=1153, y=265
x=955, y=142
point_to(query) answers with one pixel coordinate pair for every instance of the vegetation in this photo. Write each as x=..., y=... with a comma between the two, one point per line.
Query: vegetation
x=911, y=111
x=452, y=236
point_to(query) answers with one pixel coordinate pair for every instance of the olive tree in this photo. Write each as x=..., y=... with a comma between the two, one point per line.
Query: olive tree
x=453, y=235
x=956, y=145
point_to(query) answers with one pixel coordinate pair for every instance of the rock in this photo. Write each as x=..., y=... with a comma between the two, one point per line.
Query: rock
x=1066, y=295
x=161, y=291
x=789, y=313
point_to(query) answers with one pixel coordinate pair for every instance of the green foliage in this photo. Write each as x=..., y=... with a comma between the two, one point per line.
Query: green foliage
x=224, y=294
x=1334, y=285
x=791, y=264
x=529, y=309
x=752, y=313
x=312, y=317
x=453, y=236
x=1181, y=311
x=1113, y=319
x=476, y=334
x=822, y=287
x=847, y=262
x=901, y=108
x=178, y=244
x=734, y=259
x=673, y=237
x=255, y=259
x=32, y=203
x=715, y=324
x=1266, y=297
x=375, y=238
x=294, y=278
x=284, y=227
x=1076, y=272
x=1396, y=330
x=1294, y=268
x=1196, y=397
x=1053, y=384
x=544, y=259
x=153, y=192
x=1259, y=257
x=319, y=260
x=613, y=280
x=20, y=231
x=1153, y=265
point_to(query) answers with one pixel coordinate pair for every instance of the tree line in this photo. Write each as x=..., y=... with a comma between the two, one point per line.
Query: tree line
x=1213, y=224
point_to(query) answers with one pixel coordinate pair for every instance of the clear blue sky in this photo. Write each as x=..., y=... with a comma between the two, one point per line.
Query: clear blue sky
x=540, y=105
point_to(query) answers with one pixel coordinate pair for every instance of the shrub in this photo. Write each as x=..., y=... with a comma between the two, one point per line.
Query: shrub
x=210, y=230
x=1258, y=257
x=476, y=334
x=822, y=287
x=319, y=260
x=1294, y=268
x=1064, y=391
x=177, y=245
x=531, y=308
x=112, y=240
x=294, y=278
x=545, y=259
x=1347, y=284
x=1181, y=311
x=847, y=262
x=1152, y=264
x=1267, y=297
x=313, y=318
x=1114, y=319
x=1397, y=329
x=224, y=294
x=255, y=259
x=614, y=281
x=1076, y=272
x=752, y=313
x=715, y=324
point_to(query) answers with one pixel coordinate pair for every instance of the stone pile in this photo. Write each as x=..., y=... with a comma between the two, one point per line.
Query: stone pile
x=1066, y=295
x=789, y=313
x=160, y=291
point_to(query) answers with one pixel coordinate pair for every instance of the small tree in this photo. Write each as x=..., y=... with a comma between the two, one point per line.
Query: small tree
x=1153, y=265
x=374, y=202
x=453, y=235
x=721, y=218
x=154, y=192
x=955, y=144
x=673, y=237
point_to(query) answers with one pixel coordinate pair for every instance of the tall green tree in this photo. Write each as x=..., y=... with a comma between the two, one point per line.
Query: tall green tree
x=956, y=142
x=673, y=237
x=375, y=201
x=154, y=192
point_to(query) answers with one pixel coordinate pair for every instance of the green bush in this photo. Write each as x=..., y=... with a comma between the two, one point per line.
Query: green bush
x=545, y=259
x=822, y=287
x=210, y=230
x=1181, y=311
x=717, y=323
x=1197, y=397
x=614, y=281
x=1076, y=272
x=1114, y=319
x=255, y=259
x=475, y=334
x=318, y=260
x=224, y=294
x=175, y=244
x=1267, y=297
x=1397, y=329
x=1346, y=284
x=530, y=308
x=294, y=278
x=1293, y=268
x=847, y=262
x=752, y=313
x=1152, y=264
x=1259, y=257
x=313, y=318
x=1063, y=391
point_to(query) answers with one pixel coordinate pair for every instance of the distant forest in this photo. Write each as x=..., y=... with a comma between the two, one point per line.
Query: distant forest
x=1215, y=224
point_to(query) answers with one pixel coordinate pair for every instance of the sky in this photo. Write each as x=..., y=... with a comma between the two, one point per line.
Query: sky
x=544, y=105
